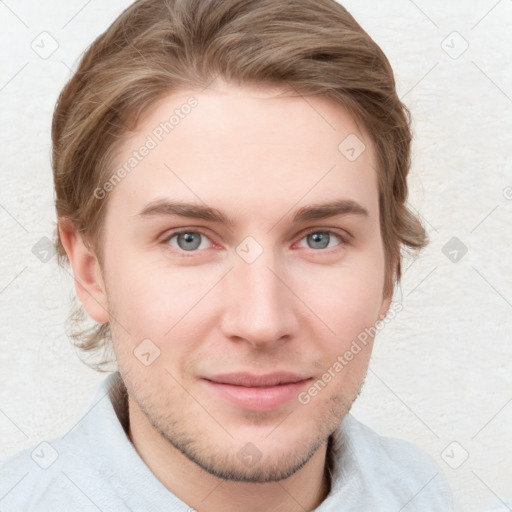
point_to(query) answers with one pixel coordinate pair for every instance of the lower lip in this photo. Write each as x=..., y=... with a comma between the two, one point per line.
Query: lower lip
x=257, y=399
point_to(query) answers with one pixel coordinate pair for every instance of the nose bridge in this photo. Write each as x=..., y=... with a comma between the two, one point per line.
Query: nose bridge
x=261, y=309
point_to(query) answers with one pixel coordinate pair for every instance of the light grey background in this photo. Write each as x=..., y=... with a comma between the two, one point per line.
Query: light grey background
x=441, y=371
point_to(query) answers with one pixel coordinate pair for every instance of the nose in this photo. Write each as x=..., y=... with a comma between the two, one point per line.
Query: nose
x=261, y=305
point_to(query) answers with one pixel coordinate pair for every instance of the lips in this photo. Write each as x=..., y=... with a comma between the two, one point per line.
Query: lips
x=257, y=381
x=256, y=392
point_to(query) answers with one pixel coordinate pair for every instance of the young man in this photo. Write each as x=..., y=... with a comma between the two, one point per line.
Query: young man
x=230, y=189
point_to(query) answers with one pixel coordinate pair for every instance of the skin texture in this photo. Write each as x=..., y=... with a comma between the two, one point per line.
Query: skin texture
x=257, y=155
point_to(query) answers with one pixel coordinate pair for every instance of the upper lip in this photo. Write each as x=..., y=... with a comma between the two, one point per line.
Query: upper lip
x=256, y=381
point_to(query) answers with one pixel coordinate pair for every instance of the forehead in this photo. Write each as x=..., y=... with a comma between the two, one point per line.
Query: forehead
x=229, y=145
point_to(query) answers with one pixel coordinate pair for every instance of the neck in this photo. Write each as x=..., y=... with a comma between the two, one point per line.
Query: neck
x=304, y=490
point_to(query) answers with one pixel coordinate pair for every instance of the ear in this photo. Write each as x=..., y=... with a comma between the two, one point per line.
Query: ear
x=387, y=295
x=87, y=274
x=386, y=302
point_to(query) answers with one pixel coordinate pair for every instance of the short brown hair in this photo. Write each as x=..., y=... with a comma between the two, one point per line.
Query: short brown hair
x=157, y=47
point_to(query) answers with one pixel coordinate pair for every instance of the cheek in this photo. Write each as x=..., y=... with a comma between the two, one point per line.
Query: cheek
x=347, y=299
x=146, y=298
x=168, y=305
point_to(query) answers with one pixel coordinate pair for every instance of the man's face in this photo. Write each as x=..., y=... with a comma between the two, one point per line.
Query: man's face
x=203, y=321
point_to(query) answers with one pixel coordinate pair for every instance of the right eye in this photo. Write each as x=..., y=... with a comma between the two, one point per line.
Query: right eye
x=187, y=240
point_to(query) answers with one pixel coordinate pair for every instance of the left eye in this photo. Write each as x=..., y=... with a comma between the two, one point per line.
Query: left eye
x=321, y=239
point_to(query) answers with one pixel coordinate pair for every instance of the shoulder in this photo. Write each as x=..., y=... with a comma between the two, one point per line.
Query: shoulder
x=399, y=455
x=61, y=471
x=38, y=477
x=394, y=468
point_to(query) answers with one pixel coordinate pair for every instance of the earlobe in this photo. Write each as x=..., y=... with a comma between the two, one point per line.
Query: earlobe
x=386, y=303
x=87, y=274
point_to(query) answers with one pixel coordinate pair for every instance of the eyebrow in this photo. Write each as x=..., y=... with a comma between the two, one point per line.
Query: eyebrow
x=163, y=207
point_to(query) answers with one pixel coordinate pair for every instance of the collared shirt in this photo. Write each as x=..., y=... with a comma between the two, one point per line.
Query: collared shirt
x=96, y=467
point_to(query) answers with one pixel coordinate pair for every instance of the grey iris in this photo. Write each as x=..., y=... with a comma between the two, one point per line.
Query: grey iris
x=190, y=243
x=320, y=240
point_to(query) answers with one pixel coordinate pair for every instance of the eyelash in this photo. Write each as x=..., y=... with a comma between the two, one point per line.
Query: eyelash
x=343, y=240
